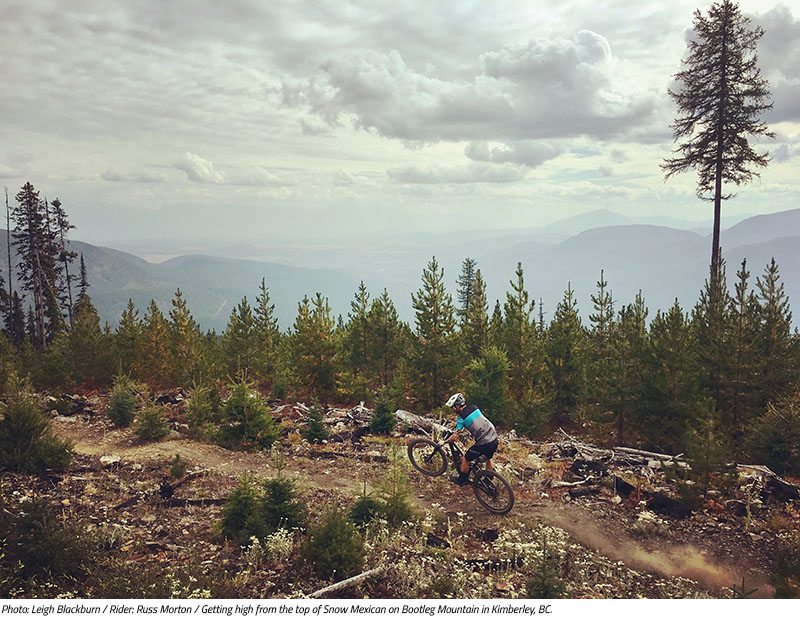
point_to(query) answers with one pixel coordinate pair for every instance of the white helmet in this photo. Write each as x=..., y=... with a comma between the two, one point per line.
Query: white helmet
x=456, y=400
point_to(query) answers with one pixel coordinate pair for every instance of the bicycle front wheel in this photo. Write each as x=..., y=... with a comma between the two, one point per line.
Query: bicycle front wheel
x=493, y=492
x=427, y=456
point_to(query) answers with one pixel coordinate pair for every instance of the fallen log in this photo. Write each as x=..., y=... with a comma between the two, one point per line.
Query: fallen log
x=207, y=501
x=352, y=581
x=417, y=420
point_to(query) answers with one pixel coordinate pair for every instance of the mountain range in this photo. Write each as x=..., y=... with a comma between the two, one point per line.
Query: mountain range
x=665, y=263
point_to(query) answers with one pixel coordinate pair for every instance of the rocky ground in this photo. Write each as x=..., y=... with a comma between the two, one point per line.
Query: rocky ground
x=601, y=542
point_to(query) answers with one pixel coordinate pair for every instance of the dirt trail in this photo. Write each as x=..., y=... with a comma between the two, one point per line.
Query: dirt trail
x=608, y=535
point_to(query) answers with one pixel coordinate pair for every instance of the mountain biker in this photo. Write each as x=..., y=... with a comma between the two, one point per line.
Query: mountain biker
x=482, y=431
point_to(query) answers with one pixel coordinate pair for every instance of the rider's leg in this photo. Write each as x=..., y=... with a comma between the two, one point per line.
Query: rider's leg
x=489, y=465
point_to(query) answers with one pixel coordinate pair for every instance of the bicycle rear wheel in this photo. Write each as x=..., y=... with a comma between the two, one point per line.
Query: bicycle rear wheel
x=427, y=456
x=493, y=492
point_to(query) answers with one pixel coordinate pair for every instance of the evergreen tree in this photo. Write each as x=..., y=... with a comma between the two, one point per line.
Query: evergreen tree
x=128, y=340
x=313, y=348
x=519, y=337
x=83, y=282
x=184, y=342
x=382, y=421
x=315, y=430
x=266, y=332
x=356, y=333
x=627, y=372
x=711, y=322
x=475, y=322
x=155, y=346
x=65, y=256
x=466, y=287
x=486, y=386
x=15, y=322
x=434, y=347
x=744, y=313
x=775, y=347
x=496, y=324
x=719, y=102
x=601, y=349
x=239, y=339
x=565, y=356
x=37, y=254
x=387, y=338
x=671, y=389
x=89, y=346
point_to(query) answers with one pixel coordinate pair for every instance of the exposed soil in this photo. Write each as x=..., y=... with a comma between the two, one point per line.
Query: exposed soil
x=703, y=555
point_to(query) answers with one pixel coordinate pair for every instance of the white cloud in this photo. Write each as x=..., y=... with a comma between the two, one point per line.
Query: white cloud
x=471, y=173
x=198, y=169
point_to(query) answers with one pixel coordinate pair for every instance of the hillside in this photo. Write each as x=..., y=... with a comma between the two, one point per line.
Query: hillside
x=664, y=263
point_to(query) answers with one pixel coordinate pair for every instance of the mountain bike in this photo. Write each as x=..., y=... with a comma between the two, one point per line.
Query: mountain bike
x=490, y=488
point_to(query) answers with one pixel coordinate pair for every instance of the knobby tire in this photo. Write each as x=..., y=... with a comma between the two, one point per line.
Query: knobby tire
x=428, y=457
x=493, y=492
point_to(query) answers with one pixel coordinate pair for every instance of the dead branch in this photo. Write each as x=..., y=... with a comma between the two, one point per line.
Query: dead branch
x=341, y=585
x=207, y=501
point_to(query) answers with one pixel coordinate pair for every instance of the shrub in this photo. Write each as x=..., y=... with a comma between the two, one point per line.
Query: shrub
x=774, y=439
x=247, y=422
x=383, y=420
x=259, y=510
x=178, y=467
x=334, y=549
x=200, y=411
x=26, y=442
x=122, y=403
x=238, y=522
x=152, y=423
x=315, y=431
x=39, y=544
x=365, y=509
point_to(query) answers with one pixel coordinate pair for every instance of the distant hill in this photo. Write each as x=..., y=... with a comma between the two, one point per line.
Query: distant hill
x=664, y=263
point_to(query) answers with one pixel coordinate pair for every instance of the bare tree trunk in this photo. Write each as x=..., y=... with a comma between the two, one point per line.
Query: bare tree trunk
x=8, y=230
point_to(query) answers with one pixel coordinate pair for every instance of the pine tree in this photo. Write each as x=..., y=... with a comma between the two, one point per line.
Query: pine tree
x=313, y=348
x=627, y=372
x=37, y=252
x=65, y=256
x=154, y=362
x=601, y=349
x=671, y=388
x=239, y=339
x=776, y=348
x=475, y=322
x=387, y=338
x=89, y=346
x=711, y=322
x=720, y=99
x=744, y=313
x=434, y=346
x=486, y=386
x=496, y=325
x=128, y=340
x=466, y=287
x=184, y=342
x=356, y=333
x=266, y=332
x=565, y=356
x=15, y=322
x=519, y=337
x=83, y=282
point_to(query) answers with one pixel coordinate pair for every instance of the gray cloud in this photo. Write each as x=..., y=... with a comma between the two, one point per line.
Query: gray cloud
x=544, y=88
x=115, y=175
x=779, y=59
x=531, y=154
x=470, y=173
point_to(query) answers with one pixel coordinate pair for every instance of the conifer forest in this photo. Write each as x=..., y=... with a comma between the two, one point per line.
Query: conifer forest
x=653, y=452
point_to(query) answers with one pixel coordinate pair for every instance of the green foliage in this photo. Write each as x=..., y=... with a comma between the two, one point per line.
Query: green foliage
x=122, y=403
x=151, y=423
x=334, y=549
x=26, y=441
x=39, y=544
x=565, y=357
x=313, y=348
x=708, y=450
x=365, y=510
x=487, y=387
x=787, y=576
x=247, y=422
x=178, y=467
x=382, y=421
x=393, y=489
x=201, y=412
x=315, y=430
x=545, y=582
x=774, y=439
x=119, y=579
x=259, y=510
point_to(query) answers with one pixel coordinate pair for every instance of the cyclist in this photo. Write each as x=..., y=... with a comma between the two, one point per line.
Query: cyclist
x=482, y=431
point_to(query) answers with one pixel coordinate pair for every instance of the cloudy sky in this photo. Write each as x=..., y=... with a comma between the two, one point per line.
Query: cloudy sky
x=273, y=119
